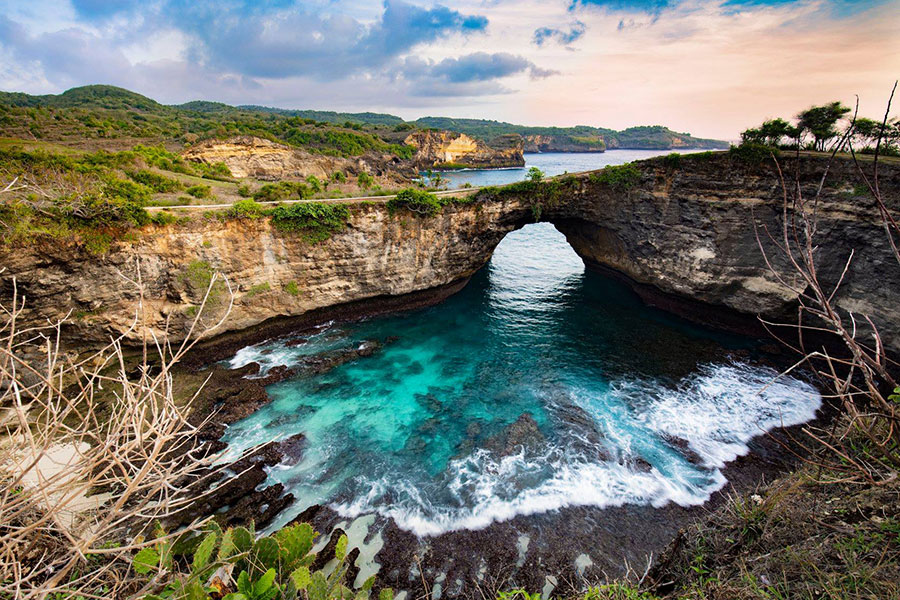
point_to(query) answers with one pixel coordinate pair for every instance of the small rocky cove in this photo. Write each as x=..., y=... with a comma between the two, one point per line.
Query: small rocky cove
x=357, y=354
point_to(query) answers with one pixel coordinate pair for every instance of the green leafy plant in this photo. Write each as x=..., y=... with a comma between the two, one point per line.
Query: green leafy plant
x=235, y=565
x=245, y=209
x=417, y=201
x=534, y=174
x=200, y=191
x=316, y=221
x=619, y=177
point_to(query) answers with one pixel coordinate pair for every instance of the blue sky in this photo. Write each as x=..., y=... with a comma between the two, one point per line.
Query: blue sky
x=710, y=67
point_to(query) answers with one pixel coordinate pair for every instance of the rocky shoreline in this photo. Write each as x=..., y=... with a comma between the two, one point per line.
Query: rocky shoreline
x=561, y=550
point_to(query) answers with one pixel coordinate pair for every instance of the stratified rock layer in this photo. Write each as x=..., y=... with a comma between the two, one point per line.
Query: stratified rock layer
x=685, y=236
x=249, y=156
x=447, y=148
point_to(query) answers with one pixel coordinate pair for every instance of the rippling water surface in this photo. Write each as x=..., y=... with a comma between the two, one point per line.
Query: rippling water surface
x=550, y=163
x=538, y=386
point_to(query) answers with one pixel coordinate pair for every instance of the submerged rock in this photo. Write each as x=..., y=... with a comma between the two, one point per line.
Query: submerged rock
x=523, y=433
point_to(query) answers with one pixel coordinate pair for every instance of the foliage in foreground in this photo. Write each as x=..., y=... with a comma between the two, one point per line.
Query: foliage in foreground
x=235, y=564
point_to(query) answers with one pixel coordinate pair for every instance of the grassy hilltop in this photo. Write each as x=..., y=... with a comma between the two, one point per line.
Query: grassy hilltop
x=102, y=116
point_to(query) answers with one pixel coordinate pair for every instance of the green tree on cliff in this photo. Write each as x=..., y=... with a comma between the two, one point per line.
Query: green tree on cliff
x=770, y=133
x=821, y=122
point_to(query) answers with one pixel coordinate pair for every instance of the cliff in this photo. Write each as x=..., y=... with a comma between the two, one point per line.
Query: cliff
x=249, y=156
x=564, y=143
x=682, y=235
x=448, y=148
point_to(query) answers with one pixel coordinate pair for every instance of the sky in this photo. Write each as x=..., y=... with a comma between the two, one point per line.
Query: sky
x=708, y=67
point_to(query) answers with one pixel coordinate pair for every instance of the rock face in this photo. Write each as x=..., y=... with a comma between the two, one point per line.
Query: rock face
x=683, y=236
x=438, y=148
x=248, y=156
x=563, y=143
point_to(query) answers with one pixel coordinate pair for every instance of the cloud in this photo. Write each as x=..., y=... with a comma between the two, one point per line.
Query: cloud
x=476, y=74
x=545, y=34
x=482, y=66
x=288, y=42
x=648, y=6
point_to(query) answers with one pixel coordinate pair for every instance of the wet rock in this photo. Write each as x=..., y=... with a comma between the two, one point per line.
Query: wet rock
x=322, y=363
x=327, y=553
x=684, y=448
x=293, y=343
x=258, y=507
x=523, y=433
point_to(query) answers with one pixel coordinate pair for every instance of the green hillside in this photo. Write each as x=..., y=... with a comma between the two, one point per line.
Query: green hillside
x=101, y=116
x=646, y=137
x=107, y=117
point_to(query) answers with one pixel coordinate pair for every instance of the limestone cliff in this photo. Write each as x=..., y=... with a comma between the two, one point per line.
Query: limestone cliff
x=564, y=143
x=439, y=148
x=249, y=156
x=684, y=236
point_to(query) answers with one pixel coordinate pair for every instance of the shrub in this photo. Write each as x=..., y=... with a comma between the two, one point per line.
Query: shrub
x=673, y=160
x=753, y=153
x=244, y=191
x=263, y=568
x=314, y=184
x=245, y=209
x=273, y=192
x=316, y=221
x=416, y=201
x=163, y=218
x=364, y=180
x=200, y=191
x=292, y=288
x=338, y=177
x=621, y=177
x=534, y=174
x=156, y=182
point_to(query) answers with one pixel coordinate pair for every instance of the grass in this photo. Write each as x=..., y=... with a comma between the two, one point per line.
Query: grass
x=797, y=538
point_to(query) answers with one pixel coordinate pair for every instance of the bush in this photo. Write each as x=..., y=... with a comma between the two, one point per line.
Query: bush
x=534, y=174
x=621, y=177
x=201, y=192
x=245, y=209
x=673, y=160
x=753, y=153
x=263, y=568
x=364, y=180
x=273, y=192
x=314, y=184
x=156, y=182
x=244, y=191
x=417, y=201
x=338, y=177
x=316, y=221
x=163, y=218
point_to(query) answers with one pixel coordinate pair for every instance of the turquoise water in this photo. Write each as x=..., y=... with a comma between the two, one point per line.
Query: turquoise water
x=550, y=163
x=630, y=405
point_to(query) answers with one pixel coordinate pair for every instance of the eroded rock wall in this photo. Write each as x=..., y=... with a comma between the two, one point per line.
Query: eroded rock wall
x=249, y=156
x=686, y=236
x=437, y=148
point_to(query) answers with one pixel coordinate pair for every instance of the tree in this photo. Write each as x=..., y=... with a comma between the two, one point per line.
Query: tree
x=534, y=174
x=820, y=122
x=771, y=132
x=867, y=132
